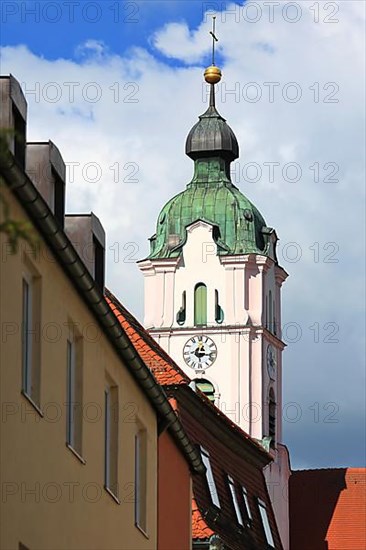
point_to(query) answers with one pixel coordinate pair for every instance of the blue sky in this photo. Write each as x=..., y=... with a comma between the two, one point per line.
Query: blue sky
x=56, y=32
x=158, y=61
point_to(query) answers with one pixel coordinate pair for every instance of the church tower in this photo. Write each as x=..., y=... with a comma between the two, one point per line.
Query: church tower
x=213, y=284
x=213, y=293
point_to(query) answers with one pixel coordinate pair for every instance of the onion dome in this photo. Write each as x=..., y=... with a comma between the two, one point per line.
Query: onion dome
x=212, y=135
x=211, y=197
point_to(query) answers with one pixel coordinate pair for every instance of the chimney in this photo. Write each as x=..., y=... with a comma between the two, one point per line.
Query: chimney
x=13, y=116
x=88, y=237
x=46, y=168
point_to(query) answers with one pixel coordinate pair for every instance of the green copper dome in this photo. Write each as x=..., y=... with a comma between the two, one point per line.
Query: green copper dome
x=239, y=228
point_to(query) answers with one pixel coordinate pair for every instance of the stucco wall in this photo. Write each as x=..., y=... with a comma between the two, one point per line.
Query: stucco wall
x=174, y=493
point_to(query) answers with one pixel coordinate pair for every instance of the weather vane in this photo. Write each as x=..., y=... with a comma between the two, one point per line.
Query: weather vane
x=214, y=38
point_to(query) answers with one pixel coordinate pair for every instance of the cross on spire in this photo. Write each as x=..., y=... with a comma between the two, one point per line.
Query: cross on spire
x=214, y=38
x=213, y=74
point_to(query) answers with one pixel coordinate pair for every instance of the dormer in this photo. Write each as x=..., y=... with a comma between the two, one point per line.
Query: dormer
x=88, y=237
x=13, y=116
x=46, y=169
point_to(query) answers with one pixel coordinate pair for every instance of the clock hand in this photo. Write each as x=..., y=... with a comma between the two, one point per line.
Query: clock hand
x=200, y=350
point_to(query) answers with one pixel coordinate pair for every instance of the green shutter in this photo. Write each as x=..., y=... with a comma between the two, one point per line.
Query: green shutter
x=200, y=304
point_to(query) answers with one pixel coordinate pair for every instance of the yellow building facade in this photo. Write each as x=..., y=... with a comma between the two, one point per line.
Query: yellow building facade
x=80, y=412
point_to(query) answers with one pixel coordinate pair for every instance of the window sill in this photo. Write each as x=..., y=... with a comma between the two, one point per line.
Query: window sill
x=112, y=495
x=141, y=530
x=75, y=453
x=30, y=400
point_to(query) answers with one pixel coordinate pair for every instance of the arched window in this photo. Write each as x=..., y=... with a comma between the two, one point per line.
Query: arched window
x=219, y=313
x=205, y=387
x=270, y=312
x=200, y=304
x=272, y=417
x=181, y=315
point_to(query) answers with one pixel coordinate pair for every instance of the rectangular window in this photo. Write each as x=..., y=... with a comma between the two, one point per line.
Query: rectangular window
x=265, y=522
x=246, y=502
x=210, y=478
x=140, y=479
x=31, y=338
x=111, y=439
x=27, y=337
x=74, y=394
x=235, y=500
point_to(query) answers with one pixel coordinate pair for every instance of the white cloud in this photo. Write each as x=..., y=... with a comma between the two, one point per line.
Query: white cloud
x=95, y=48
x=177, y=41
x=142, y=117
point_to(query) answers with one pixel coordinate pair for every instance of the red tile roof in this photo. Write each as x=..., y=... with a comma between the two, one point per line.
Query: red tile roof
x=161, y=365
x=200, y=529
x=332, y=503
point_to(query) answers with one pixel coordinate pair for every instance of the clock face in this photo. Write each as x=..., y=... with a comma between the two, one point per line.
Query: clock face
x=271, y=362
x=200, y=352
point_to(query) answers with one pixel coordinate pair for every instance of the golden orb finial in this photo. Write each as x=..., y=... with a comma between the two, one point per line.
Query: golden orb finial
x=212, y=73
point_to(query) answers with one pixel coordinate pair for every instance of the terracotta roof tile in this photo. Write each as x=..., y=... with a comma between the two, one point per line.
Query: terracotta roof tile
x=200, y=529
x=161, y=365
x=333, y=503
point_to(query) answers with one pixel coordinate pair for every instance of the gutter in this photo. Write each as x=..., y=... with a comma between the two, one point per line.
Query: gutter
x=44, y=220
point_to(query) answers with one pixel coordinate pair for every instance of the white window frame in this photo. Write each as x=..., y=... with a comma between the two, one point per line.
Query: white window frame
x=111, y=435
x=27, y=352
x=210, y=478
x=265, y=523
x=30, y=336
x=140, y=491
x=107, y=437
x=239, y=516
x=137, y=479
x=246, y=502
x=71, y=374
